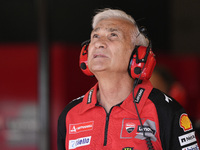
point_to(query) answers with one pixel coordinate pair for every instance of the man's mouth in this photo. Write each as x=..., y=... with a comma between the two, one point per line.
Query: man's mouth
x=99, y=55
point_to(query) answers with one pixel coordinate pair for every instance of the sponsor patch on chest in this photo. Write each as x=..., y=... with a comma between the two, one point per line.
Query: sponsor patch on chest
x=83, y=141
x=80, y=127
x=131, y=128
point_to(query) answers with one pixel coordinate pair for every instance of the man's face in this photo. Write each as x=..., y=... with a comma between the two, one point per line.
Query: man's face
x=111, y=46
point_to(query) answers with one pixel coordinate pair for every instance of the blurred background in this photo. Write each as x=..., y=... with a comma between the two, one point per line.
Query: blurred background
x=39, y=53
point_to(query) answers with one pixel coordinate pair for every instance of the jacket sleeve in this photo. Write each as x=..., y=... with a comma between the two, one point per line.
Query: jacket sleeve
x=183, y=134
x=176, y=130
x=61, y=132
x=61, y=127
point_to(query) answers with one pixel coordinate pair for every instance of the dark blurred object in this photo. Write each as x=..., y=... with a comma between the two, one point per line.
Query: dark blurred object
x=163, y=79
x=19, y=19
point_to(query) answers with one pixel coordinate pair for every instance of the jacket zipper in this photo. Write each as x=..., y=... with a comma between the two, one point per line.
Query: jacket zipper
x=106, y=129
x=106, y=125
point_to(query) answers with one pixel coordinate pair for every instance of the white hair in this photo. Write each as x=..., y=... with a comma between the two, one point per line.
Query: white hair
x=137, y=37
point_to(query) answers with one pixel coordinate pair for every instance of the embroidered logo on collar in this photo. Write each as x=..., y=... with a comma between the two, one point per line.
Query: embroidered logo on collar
x=89, y=100
x=81, y=127
x=185, y=122
x=139, y=95
x=129, y=127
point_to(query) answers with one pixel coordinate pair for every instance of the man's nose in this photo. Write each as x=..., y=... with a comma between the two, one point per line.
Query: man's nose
x=101, y=43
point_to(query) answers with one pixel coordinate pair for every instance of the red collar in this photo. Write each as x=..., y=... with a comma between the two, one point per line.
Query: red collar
x=141, y=94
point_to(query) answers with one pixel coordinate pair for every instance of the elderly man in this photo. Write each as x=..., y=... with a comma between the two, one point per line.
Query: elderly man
x=122, y=111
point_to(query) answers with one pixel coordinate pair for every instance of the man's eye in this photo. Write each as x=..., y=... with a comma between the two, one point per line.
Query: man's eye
x=95, y=36
x=114, y=34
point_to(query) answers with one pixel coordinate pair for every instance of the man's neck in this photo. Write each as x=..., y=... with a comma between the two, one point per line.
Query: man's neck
x=113, y=91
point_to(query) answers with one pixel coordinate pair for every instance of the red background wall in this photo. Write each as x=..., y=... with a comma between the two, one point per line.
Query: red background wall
x=19, y=84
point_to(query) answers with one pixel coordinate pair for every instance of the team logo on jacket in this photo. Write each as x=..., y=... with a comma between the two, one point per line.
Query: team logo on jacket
x=81, y=127
x=129, y=127
x=185, y=122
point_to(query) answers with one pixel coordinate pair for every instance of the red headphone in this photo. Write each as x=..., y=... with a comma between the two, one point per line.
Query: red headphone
x=141, y=64
x=84, y=57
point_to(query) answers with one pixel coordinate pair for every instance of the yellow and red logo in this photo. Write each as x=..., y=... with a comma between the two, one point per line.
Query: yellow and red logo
x=185, y=122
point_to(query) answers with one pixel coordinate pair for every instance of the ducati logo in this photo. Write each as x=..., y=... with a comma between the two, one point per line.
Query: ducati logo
x=130, y=127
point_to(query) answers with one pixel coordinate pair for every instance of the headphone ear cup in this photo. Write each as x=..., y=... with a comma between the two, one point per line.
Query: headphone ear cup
x=140, y=68
x=83, y=60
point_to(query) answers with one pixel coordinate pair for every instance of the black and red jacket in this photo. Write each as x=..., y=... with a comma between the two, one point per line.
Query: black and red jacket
x=84, y=124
